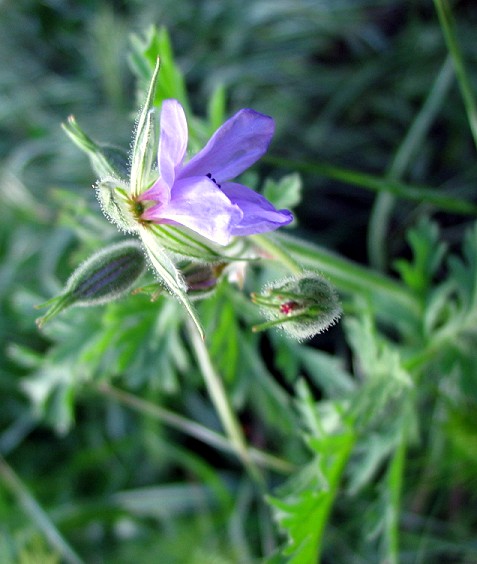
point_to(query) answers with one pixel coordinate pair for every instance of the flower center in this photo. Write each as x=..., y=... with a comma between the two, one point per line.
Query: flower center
x=137, y=209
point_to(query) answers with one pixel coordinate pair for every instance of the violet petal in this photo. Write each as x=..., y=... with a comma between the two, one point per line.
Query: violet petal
x=197, y=203
x=159, y=192
x=259, y=215
x=172, y=140
x=234, y=147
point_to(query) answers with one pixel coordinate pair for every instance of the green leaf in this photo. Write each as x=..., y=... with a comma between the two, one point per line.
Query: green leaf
x=284, y=193
x=385, y=378
x=224, y=344
x=303, y=504
x=217, y=108
x=428, y=252
x=51, y=390
x=464, y=273
x=156, y=44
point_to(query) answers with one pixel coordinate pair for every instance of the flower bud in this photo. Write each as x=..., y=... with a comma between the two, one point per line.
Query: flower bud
x=104, y=277
x=302, y=306
x=200, y=279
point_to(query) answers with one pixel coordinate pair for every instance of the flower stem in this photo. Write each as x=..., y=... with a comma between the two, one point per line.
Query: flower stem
x=223, y=407
x=268, y=244
x=394, y=483
x=408, y=150
x=415, y=193
x=446, y=20
x=349, y=276
x=191, y=428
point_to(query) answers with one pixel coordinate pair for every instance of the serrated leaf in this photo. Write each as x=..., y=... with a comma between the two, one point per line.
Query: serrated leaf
x=428, y=252
x=385, y=378
x=303, y=507
x=51, y=391
x=284, y=193
x=464, y=272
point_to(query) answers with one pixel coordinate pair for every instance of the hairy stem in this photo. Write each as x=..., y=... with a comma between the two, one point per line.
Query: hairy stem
x=223, y=406
x=191, y=428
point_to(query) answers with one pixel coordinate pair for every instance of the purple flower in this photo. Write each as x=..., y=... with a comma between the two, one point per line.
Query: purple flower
x=198, y=194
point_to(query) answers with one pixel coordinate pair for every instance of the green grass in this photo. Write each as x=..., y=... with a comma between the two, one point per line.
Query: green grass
x=125, y=438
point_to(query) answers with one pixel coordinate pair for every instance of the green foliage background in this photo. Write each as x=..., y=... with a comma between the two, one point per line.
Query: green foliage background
x=111, y=449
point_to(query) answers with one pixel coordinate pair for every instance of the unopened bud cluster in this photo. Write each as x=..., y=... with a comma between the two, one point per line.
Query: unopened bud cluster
x=302, y=306
x=102, y=278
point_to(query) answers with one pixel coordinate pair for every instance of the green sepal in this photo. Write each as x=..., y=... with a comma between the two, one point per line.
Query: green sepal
x=168, y=273
x=302, y=306
x=192, y=246
x=143, y=155
x=106, y=160
x=112, y=195
x=105, y=276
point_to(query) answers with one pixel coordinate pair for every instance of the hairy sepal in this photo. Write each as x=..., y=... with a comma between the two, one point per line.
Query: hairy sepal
x=106, y=160
x=112, y=195
x=167, y=273
x=142, y=153
x=104, y=277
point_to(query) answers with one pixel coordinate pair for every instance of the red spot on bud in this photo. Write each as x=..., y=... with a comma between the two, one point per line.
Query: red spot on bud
x=289, y=307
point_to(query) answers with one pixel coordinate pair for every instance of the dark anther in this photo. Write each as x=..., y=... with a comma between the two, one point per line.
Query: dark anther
x=213, y=179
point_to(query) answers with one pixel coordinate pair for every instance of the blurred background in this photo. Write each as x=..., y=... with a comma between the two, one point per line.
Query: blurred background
x=343, y=79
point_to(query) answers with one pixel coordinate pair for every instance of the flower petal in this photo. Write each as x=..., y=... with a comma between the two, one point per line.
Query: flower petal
x=234, y=147
x=197, y=203
x=159, y=192
x=172, y=140
x=259, y=215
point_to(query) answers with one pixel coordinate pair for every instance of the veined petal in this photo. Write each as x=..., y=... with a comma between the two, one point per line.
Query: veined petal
x=259, y=215
x=198, y=204
x=172, y=140
x=233, y=148
x=159, y=192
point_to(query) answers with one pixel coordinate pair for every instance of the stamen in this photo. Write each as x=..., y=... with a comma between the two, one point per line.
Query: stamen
x=209, y=175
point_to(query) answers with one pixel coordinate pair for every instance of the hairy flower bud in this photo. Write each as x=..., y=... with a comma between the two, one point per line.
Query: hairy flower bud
x=200, y=280
x=104, y=277
x=302, y=306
